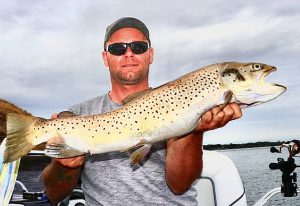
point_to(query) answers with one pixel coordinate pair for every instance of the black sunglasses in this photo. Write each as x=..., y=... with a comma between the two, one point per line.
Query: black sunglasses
x=137, y=47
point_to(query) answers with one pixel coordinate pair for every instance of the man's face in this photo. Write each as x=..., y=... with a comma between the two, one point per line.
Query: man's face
x=130, y=68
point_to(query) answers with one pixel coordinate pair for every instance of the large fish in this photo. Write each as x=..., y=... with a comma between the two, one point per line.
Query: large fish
x=171, y=110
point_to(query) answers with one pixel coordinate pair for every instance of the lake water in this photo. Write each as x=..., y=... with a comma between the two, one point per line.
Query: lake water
x=253, y=165
x=258, y=179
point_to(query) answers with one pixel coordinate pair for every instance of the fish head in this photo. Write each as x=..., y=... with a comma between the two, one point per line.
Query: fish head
x=247, y=83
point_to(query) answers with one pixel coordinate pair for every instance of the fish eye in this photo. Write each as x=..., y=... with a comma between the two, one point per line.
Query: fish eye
x=256, y=66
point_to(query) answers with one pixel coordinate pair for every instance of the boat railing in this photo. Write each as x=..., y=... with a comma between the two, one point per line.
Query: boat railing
x=289, y=187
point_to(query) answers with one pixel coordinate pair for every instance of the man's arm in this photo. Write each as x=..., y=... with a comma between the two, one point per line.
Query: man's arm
x=61, y=176
x=184, y=155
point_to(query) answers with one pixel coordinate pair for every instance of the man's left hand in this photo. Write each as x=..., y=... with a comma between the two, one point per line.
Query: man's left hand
x=216, y=118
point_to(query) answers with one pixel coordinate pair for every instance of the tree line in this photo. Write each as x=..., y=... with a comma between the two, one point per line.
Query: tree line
x=242, y=145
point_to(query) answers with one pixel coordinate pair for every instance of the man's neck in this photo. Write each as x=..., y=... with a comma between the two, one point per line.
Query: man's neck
x=119, y=92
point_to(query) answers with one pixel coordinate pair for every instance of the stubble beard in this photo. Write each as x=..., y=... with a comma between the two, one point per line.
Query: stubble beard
x=131, y=78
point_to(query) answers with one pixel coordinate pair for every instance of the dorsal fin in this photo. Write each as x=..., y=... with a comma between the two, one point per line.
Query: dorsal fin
x=133, y=96
x=66, y=114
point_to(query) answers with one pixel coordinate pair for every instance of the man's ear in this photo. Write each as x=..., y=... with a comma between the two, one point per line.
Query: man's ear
x=104, y=58
x=151, y=50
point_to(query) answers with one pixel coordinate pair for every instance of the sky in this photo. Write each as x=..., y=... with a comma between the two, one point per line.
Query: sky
x=50, y=53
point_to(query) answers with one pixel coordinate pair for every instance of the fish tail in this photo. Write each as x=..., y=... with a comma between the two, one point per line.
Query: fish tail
x=15, y=125
x=5, y=108
x=20, y=135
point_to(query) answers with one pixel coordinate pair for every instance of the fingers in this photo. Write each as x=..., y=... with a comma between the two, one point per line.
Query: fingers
x=231, y=111
x=227, y=115
x=216, y=118
x=54, y=116
x=217, y=113
x=237, y=112
x=73, y=162
x=210, y=120
x=207, y=117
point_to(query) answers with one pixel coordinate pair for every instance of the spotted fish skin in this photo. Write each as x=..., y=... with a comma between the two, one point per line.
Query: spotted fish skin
x=167, y=111
x=171, y=110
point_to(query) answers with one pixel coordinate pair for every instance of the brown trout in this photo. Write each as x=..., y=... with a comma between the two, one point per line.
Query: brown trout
x=171, y=110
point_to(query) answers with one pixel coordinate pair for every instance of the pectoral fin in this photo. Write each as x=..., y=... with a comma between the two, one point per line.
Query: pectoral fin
x=56, y=147
x=61, y=151
x=131, y=97
x=139, y=155
x=228, y=97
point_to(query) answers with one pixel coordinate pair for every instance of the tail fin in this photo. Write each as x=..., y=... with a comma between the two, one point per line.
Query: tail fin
x=19, y=136
x=5, y=108
x=15, y=124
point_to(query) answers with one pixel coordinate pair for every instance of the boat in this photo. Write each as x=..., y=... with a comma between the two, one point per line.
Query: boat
x=219, y=185
x=220, y=182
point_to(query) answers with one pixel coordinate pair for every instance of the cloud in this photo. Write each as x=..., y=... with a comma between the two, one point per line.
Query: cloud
x=50, y=52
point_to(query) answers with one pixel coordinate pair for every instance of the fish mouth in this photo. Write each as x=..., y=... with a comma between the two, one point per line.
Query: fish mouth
x=245, y=105
x=278, y=85
x=260, y=91
x=267, y=72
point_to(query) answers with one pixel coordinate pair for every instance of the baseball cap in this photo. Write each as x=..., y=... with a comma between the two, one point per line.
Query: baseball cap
x=126, y=22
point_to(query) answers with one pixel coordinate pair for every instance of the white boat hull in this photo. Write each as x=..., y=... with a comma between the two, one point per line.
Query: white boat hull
x=220, y=183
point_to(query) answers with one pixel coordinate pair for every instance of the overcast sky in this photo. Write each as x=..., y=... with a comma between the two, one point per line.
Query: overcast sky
x=50, y=53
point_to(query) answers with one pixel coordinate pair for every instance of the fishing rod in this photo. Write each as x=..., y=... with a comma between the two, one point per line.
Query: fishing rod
x=289, y=187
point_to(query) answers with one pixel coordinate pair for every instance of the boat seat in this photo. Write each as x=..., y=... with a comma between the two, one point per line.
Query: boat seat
x=220, y=183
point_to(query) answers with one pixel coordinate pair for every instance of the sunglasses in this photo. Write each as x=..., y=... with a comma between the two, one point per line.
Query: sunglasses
x=137, y=47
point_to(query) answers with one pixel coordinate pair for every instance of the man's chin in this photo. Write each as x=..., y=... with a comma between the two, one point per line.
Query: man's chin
x=131, y=78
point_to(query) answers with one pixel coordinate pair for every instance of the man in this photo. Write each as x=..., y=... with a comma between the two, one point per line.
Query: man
x=107, y=179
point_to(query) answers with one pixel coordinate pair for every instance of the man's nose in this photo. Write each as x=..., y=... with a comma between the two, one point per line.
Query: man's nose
x=128, y=52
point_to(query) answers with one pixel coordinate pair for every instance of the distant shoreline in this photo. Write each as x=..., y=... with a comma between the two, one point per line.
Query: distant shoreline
x=243, y=145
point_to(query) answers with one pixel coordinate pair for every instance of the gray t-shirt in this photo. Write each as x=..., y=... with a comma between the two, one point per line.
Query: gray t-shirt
x=109, y=179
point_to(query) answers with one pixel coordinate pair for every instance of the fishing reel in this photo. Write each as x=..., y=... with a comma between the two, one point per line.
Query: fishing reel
x=287, y=167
